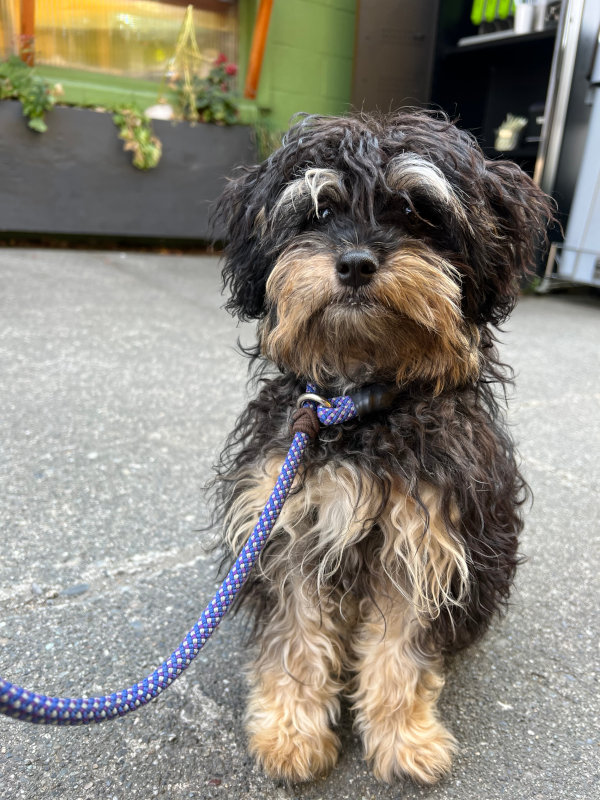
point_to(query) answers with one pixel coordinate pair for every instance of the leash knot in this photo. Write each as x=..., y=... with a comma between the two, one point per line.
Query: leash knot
x=305, y=420
x=315, y=410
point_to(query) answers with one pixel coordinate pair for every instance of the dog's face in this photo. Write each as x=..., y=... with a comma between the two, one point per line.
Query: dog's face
x=377, y=248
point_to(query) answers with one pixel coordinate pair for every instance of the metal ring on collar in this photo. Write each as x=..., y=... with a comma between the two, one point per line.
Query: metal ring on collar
x=315, y=398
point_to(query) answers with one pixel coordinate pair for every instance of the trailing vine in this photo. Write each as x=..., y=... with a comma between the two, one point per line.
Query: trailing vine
x=209, y=99
x=20, y=82
x=136, y=131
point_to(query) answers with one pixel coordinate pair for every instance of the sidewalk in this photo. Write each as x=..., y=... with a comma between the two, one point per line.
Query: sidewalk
x=120, y=380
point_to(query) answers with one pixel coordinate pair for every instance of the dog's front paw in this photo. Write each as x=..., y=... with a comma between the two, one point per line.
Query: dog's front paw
x=287, y=753
x=422, y=753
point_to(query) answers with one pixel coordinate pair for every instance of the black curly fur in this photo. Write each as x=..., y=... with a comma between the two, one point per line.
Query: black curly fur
x=455, y=440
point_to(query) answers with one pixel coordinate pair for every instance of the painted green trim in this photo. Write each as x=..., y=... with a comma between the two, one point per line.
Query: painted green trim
x=246, y=16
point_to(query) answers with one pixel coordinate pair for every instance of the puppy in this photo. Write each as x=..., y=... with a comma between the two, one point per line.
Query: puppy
x=374, y=250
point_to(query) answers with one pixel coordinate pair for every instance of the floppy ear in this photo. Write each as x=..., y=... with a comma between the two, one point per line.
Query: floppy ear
x=238, y=214
x=510, y=226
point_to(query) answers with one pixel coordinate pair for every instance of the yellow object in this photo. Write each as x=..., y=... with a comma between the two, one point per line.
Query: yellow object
x=187, y=62
x=130, y=38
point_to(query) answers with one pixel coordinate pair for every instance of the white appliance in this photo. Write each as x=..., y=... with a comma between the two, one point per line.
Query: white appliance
x=578, y=258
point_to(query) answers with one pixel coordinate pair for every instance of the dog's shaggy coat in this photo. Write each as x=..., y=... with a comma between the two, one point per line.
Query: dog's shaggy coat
x=374, y=250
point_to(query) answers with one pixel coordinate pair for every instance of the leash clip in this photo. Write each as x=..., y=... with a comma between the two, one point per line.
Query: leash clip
x=313, y=398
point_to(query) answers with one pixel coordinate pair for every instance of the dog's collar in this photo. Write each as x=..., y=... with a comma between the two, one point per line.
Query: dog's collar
x=372, y=397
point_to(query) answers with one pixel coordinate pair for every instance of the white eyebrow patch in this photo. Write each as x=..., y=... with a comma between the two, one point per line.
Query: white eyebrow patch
x=415, y=175
x=323, y=180
x=310, y=187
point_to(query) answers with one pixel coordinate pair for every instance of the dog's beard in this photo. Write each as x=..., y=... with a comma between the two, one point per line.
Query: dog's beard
x=405, y=325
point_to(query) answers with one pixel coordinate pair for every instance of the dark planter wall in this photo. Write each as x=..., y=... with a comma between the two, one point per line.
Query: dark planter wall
x=76, y=178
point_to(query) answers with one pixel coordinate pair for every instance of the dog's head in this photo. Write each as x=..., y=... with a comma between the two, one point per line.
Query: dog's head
x=377, y=248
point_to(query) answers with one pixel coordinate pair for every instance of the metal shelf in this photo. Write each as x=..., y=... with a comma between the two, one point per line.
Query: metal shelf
x=499, y=39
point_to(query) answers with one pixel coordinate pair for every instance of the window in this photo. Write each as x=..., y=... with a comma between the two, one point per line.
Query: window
x=131, y=38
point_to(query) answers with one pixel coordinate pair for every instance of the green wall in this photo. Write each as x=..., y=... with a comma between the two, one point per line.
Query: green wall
x=308, y=58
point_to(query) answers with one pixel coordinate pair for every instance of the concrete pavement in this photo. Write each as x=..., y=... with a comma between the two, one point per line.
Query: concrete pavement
x=119, y=383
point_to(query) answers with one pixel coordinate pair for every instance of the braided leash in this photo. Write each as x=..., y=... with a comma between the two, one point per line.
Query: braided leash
x=32, y=707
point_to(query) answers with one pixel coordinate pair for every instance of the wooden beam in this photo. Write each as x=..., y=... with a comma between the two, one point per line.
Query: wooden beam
x=27, y=31
x=257, y=51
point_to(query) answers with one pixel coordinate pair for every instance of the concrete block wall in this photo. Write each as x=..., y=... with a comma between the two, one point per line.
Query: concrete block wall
x=308, y=58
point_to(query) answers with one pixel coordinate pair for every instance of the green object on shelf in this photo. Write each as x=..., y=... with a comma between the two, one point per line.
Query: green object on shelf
x=477, y=12
x=504, y=8
x=490, y=10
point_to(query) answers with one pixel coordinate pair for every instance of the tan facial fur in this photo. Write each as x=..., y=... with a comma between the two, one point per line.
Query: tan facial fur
x=405, y=326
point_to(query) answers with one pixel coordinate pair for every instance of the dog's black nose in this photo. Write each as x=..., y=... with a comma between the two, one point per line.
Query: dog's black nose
x=356, y=267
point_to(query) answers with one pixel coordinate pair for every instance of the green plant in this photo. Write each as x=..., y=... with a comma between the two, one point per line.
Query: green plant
x=136, y=131
x=36, y=94
x=267, y=140
x=209, y=99
x=530, y=285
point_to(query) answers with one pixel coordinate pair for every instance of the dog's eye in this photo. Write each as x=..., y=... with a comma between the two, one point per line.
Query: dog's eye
x=325, y=214
x=419, y=212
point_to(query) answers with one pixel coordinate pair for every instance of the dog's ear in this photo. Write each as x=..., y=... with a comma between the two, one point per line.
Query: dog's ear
x=510, y=218
x=240, y=214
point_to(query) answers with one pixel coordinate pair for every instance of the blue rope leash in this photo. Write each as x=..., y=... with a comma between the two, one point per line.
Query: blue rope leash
x=33, y=707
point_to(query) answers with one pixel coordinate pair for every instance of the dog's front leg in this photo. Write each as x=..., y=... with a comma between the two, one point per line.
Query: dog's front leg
x=397, y=686
x=295, y=684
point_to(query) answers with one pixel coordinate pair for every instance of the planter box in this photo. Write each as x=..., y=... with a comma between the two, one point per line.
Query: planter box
x=76, y=178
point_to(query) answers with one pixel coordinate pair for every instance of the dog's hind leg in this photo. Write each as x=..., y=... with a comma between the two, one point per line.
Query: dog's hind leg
x=296, y=680
x=396, y=689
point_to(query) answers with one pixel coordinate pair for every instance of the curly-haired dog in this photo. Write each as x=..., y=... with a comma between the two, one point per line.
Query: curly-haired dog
x=375, y=249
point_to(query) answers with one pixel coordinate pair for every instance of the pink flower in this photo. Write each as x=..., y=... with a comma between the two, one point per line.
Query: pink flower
x=221, y=59
x=231, y=69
